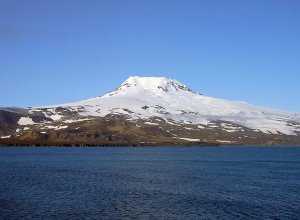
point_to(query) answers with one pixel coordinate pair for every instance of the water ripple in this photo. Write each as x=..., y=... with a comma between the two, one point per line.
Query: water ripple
x=149, y=183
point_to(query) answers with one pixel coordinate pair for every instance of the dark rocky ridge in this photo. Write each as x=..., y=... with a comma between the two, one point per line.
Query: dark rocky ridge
x=119, y=130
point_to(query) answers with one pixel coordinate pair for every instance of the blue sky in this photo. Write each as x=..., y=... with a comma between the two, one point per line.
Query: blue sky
x=60, y=51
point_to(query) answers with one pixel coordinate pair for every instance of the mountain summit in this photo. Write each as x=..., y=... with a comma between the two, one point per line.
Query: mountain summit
x=154, y=85
x=160, y=110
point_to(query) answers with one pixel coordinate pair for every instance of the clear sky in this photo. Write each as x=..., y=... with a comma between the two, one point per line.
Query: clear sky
x=56, y=51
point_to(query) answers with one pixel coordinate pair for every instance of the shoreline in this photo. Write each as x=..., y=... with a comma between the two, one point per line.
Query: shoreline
x=140, y=145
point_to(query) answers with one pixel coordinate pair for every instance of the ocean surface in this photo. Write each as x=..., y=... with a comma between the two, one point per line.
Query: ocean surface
x=150, y=183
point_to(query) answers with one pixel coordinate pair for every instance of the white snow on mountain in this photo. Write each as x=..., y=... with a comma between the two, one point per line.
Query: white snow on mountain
x=25, y=121
x=145, y=97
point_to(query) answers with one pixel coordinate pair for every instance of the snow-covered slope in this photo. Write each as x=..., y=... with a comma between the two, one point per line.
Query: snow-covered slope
x=145, y=97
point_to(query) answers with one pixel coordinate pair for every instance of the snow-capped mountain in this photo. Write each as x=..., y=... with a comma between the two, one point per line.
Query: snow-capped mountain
x=171, y=107
x=145, y=97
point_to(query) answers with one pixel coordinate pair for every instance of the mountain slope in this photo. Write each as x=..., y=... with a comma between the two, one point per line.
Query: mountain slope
x=157, y=109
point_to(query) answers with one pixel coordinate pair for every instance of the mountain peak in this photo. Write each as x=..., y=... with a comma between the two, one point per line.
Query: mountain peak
x=150, y=84
x=147, y=79
x=144, y=98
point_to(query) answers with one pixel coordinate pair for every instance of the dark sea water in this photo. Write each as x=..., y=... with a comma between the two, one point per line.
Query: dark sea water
x=150, y=183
